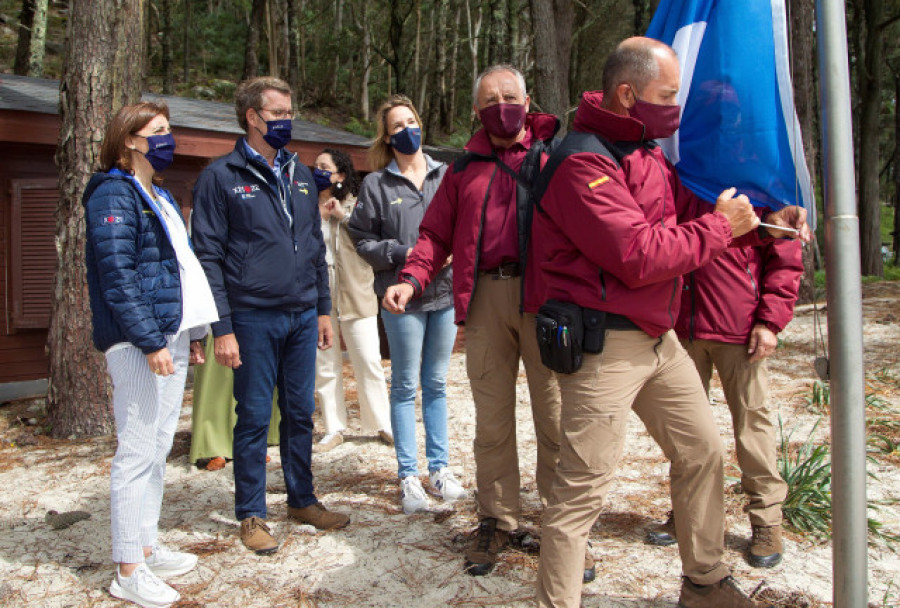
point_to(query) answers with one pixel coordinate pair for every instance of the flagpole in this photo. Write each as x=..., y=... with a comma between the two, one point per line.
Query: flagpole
x=844, y=295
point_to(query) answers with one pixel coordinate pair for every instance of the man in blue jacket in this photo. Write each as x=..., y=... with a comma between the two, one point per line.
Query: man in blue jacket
x=257, y=233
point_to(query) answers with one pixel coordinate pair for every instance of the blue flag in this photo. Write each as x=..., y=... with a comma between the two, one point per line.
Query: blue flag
x=739, y=126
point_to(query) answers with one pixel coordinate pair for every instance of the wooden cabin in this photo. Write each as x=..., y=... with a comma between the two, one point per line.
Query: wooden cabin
x=29, y=131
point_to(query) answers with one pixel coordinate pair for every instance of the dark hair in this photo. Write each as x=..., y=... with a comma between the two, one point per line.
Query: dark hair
x=634, y=62
x=128, y=121
x=249, y=95
x=344, y=165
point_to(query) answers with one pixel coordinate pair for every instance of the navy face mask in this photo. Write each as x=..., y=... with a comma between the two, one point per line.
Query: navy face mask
x=278, y=132
x=322, y=179
x=161, y=152
x=407, y=141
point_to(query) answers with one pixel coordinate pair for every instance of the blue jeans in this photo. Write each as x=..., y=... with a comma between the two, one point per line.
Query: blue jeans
x=277, y=348
x=421, y=343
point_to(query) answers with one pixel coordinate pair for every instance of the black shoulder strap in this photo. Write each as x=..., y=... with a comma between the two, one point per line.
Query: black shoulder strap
x=463, y=161
x=573, y=143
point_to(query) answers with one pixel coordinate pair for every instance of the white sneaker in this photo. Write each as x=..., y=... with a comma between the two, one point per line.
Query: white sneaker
x=328, y=442
x=143, y=588
x=446, y=485
x=165, y=562
x=412, y=495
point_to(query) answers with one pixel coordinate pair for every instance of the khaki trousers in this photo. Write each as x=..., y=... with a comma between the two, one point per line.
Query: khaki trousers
x=497, y=335
x=746, y=386
x=657, y=379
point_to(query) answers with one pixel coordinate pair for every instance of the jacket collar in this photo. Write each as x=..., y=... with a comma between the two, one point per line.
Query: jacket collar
x=541, y=126
x=430, y=165
x=594, y=118
x=240, y=158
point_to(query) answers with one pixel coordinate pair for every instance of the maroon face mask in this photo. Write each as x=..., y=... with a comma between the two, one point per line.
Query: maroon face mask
x=659, y=121
x=503, y=120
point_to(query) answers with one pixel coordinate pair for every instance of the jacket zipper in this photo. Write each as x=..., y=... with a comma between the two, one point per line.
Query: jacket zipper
x=752, y=282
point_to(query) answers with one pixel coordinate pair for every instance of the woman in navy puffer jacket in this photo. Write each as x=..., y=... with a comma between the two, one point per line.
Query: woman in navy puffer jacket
x=150, y=304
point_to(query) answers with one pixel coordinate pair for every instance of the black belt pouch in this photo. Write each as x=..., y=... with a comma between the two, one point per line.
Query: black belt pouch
x=560, y=333
x=594, y=330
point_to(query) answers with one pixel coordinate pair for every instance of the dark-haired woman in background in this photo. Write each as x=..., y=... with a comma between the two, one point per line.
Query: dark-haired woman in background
x=354, y=312
x=150, y=304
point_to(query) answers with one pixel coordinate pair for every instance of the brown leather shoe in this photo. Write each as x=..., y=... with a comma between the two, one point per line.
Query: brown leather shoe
x=257, y=537
x=320, y=517
x=328, y=443
x=486, y=544
x=590, y=572
x=724, y=594
x=385, y=437
x=766, y=546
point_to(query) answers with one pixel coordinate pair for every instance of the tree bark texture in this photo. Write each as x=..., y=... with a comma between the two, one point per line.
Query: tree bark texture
x=870, y=77
x=101, y=73
x=165, y=18
x=552, y=53
x=803, y=61
x=895, y=241
x=29, y=59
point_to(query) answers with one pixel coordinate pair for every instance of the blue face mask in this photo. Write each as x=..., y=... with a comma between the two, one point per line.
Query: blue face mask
x=407, y=141
x=322, y=179
x=161, y=152
x=278, y=132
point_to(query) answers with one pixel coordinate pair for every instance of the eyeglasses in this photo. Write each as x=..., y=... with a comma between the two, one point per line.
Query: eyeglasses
x=278, y=114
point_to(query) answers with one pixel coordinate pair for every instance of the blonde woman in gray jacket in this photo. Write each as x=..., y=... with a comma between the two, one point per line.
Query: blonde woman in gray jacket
x=354, y=312
x=385, y=226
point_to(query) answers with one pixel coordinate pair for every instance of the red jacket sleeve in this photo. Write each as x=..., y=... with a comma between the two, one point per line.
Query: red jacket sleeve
x=779, y=282
x=435, y=240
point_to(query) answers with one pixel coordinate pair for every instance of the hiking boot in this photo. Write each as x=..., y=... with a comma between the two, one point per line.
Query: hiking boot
x=318, y=516
x=257, y=537
x=590, y=572
x=328, y=443
x=664, y=535
x=487, y=543
x=765, y=546
x=143, y=588
x=165, y=562
x=724, y=594
x=446, y=485
x=412, y=495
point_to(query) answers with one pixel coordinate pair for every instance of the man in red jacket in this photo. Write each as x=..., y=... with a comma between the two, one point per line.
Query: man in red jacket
x=616, y=236
x=731, y=311
x=481, y=215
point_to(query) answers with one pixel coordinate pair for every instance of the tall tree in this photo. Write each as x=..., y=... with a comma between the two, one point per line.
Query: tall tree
x=101, y=73
x=552, y=53
x=32, y=34
x=165, y=19
x=870, y=82
x=803, y=61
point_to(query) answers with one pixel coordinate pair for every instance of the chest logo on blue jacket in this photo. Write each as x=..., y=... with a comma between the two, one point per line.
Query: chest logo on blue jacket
x=112, y=219
x=302, y=187
x=246, y=191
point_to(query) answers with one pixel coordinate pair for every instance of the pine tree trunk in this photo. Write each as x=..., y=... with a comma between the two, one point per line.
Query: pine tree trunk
x=165, y=17
x=895, y=243
x=552, y=52
x=29, y=59
x=186, y=39
x=803, y=46
x=869, y=130
x=293, y=17
x=101, y=73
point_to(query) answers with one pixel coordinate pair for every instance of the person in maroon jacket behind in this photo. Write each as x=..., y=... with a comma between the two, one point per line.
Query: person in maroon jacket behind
x=614, y=238
x=731, y=312
x=481, y=215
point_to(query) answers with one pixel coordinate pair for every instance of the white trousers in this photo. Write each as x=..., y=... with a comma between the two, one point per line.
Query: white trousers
x=146, y=408
x=361, y=338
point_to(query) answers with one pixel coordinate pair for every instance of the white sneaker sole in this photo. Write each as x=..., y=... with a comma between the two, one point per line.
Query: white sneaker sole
x=416, y=508
x=118, y=591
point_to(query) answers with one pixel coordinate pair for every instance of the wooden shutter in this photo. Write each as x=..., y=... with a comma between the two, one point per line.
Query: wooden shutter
x=33, y=251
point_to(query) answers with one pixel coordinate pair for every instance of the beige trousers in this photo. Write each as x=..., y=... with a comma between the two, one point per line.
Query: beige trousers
x=497, y=335
x=657, y=379
x=746, y=386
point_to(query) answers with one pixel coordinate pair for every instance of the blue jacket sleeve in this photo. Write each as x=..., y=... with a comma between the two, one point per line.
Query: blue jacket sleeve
x=112, y=217
x=209, y=226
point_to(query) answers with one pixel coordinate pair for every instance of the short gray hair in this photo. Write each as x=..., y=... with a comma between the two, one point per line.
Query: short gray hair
x=634, y=62
x=500, y=67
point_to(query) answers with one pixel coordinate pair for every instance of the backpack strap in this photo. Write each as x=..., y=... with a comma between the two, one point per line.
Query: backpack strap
x=575, y=142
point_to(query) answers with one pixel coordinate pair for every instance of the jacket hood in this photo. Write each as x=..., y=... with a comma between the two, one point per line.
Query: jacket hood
x=591, y=116
x=542, y=126
x=96, y=180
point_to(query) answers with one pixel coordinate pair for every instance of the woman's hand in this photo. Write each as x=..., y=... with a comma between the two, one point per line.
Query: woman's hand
x=160, y=362
x=336, y=209
x=198, y=353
